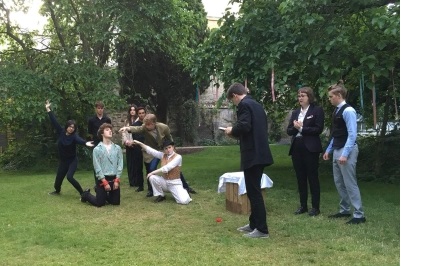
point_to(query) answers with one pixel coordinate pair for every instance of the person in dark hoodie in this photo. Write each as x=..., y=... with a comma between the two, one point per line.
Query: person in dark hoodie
x=67, y=142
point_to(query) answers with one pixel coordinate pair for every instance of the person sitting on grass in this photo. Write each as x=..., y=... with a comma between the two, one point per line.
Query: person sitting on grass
x=108, y=164
x=167, y=178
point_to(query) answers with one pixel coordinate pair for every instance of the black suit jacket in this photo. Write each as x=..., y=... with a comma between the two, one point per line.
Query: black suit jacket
x=252, y=131
x=312, y=127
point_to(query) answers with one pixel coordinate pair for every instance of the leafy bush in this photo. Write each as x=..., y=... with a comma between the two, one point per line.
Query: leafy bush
x=379, y=158
x=187, y=122
x=30, y=151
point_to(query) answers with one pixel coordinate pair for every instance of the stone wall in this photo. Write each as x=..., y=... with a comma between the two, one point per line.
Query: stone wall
x=118, y=121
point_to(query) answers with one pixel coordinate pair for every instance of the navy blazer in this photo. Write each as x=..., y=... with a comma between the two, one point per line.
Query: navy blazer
x=312, y=127
x=252, y=131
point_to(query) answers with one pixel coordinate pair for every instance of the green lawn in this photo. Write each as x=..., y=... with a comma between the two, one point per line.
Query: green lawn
x=39, y=229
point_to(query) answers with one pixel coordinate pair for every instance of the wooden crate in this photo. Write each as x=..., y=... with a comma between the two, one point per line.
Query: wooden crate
x=238, y=203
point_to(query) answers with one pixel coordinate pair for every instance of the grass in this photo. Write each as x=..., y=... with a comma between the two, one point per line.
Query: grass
x=39, y=229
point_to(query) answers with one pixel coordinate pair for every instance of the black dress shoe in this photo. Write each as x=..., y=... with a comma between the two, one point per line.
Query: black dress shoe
x=339, y=215
x=139, y=189
x=356, y=220
x=149, y=194
x=301, y=210
x=83, y=196
x=314, y=212
x=159, y=199
x=191, y=190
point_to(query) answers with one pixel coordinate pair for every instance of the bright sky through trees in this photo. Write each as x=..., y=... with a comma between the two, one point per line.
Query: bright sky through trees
x=32, y=20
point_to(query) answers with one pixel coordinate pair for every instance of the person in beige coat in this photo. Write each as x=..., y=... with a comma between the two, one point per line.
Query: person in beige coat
x=155, y=133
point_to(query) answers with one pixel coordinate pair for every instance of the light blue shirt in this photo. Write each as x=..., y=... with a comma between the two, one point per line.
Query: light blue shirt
x=349, y=116
x=107, y=162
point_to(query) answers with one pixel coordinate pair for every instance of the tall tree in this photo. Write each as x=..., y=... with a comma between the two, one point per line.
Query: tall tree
x=73, y=62
x=313, y=43
x=162, y=75
x=306, y=42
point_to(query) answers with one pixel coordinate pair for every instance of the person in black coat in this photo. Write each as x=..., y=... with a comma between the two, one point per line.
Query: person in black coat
x=94, y=124
x=137, y=163
x=127, y=142
x=67, y=142
x=305, y=126
x=251, y=129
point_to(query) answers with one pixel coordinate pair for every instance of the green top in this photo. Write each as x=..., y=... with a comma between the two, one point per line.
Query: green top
x=107, y=162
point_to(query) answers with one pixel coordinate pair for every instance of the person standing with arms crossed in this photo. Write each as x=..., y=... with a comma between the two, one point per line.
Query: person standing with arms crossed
x=251, y=129
x=67, y=141
x=305, y=126
x=345, y=153
x=108, y=165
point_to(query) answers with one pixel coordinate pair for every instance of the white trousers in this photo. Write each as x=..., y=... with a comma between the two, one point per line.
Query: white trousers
x=160, y=185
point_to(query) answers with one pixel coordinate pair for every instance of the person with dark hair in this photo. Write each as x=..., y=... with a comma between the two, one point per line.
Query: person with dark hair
x=94, y=124
x=96, y=121
x=108, y=165
x=167, y=177
x=345, y=151
x=154, y=134
x=137, y=164
x=305, y=126
x=127, y=141
x=251, y=129
x=67, y=141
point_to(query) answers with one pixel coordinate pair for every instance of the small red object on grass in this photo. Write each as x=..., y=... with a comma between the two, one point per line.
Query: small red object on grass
x=218, y=220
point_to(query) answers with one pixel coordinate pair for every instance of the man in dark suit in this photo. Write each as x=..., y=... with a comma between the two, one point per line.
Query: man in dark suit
x=252, y=131
x=137, y=158
x=305, y=126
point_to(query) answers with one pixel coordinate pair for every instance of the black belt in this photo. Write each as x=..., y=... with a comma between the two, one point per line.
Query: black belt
x=109, y=177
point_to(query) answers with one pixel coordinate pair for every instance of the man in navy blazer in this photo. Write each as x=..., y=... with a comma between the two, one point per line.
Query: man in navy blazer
x=305, y=126
x=251, y=129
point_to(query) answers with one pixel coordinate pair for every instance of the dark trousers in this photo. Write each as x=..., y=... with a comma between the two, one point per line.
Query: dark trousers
x=93, y=170
x=185, y=184
x=95, y=177
x=306, y=165
x=67, y=168
x=258, y=215
x=129, y=159
x=137, y=167
x=102, y=196
x=150, y=167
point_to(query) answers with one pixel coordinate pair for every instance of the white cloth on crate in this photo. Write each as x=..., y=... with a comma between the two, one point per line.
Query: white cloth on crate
x=238, y=178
